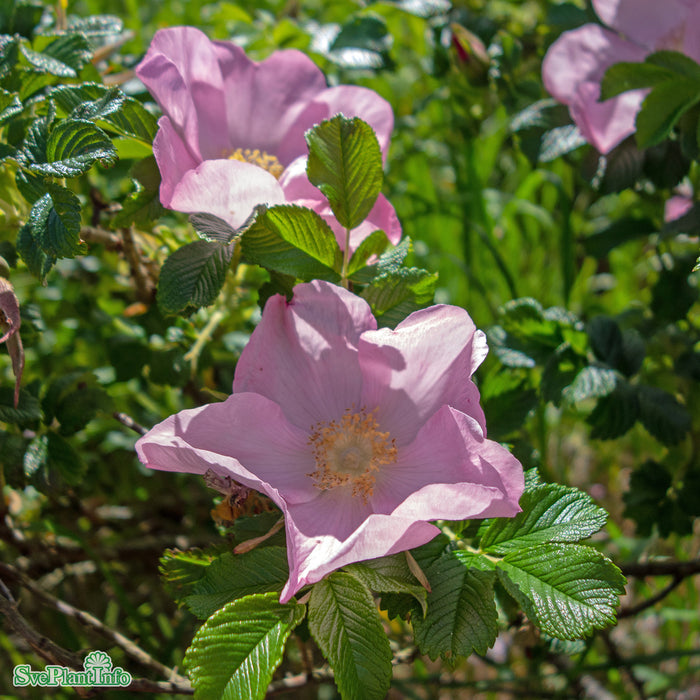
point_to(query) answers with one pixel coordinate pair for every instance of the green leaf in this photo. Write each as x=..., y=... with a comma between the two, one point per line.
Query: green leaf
x=193, y=276
x=236, y=651
x=622, y=77
x=73, y=399
x=559, y=372
x=567, y=590
x=72, y=50
x=395, y=295
x=10, y=105
x=55, y=223
x=621, y=351
x=73, y=147
x=47, y=64
x=462, y=615
x=550, y=513
x=560, y=141
x=29, y=249
x=111, y=107
x=9, y=53
x=615, y=413
x=294, y=241
x=591, y=382
x=212, y=228
x=374, y=244
x=345, y=163
x=621, y=231
x=233, y=576
x=389, y=575
x=662, y=415
x=180, y=570
x=663, y=107
x=345, y=623
x=27, y=413
x=675, y=62
x=64, y=460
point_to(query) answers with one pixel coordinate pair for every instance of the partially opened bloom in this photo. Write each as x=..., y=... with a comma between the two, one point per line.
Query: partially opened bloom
x=231, y=128
x=360, y=436
x=576, y=62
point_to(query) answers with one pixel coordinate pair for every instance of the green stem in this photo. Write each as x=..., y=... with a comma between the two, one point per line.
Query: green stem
x=346, y=260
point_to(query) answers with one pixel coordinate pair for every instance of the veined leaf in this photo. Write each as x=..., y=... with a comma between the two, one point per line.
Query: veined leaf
x=193, y=276
x=55, y=223
x=294, y=241
x=236, y=651
x=233, y=576
x=345, y=163
x=567, y=590
x=462, y=615
x=180, y=570
x=345, y=623
x=550, y=513
x=374, y=244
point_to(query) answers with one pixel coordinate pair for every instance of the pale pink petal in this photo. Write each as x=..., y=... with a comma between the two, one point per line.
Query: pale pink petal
x=299, y=190
x=181, y=71
x=582, y=56
x=229, y=189
x=676, y=206
x=10, y=319
x=647, y=22
x=263, y=100
x=425, y=363
x=605, y=124
x=691, y=36
x=303, y=354
x=245, y=437
x=173, y=157
x=349, y=100
x=332, y=531
x=452, y=472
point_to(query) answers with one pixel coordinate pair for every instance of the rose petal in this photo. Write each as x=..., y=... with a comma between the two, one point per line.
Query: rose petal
x=450, y=471
x=408, y=380
x=181, y=71
x=303, y=354
x=263, y=100
x=229, y=189
x=245, y=437
x=173, y=157
x=334, y=531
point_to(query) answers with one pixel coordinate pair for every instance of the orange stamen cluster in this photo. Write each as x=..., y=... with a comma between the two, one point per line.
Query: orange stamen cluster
x=348, y=451
x=260, y=158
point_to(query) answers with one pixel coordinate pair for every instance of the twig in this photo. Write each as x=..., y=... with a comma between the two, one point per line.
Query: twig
x=130, y=423
x=88, y=620
x=661, y=568
x=144, y=285
x=636, y=609
x=192, y=355
x=94, y=234
x=618, y=661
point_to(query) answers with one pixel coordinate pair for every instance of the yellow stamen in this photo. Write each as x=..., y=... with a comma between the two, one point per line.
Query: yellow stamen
x=260, y=158
x=348, y=451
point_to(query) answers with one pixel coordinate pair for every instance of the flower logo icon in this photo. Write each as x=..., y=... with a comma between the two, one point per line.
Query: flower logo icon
x=98, y=660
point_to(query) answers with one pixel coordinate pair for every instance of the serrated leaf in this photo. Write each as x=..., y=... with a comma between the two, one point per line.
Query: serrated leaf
x=27, y=412
x=212, y=228
x=35, y=456
x=180, y=570
x=71, y=50
x=345, y=163
x=235, y=652
x=615, y=413
x=560, y=141
x=73, y=399
x=294, y=241
x=550, y=513
x=462, y=615
x=374, y=244
x=662, y=415
x=9, y=53
x=591, y=382
x=559, y=371
x=10, y=105
x=394, y=295
x=55, y=223
x=567, y=590
x=663, y=107
x=193, y=276
x=345, y=623
x=47, y=64
x=233, y=576
x=73, y=147
x=389, y=575
x=124, y=115
x=29, y=249
x=141, y=209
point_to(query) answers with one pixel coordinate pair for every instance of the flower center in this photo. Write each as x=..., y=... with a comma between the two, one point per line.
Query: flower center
x=264, y=160
x=348, y=451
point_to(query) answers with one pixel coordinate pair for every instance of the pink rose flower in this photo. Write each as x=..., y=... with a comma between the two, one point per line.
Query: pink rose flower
x=232, y=131
x=360, y=436
x=576, y=62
